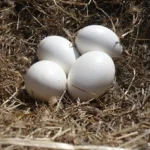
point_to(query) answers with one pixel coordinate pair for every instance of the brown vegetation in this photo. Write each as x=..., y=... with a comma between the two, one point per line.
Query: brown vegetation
x=121, y=118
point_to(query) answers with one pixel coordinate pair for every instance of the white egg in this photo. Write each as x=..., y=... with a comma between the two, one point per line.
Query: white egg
x=44, y=80
x=98, y=38
x=59, y=50
x=91, y=75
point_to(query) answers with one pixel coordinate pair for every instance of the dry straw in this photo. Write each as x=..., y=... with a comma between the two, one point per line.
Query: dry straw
x=120, y=118
x=42, y=143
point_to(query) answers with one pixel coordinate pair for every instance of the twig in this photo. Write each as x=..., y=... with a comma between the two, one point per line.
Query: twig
x=125, y=34
x=35, y=18
x=72, y=3
x=65, y=11
x=125, y=130
x=133, y=46
x=136, y=139
x=134, y=73
x=114, y=29
x=45, y=143
x=127, y=135
x=59, y=101
x=12, y=96
x=60, y=133
x=147, y=99
x=141, y=39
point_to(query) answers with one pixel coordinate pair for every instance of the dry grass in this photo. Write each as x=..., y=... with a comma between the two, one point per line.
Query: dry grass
x=118, y=119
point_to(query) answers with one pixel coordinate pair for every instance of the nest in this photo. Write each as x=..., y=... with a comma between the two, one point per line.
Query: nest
x=120, y=118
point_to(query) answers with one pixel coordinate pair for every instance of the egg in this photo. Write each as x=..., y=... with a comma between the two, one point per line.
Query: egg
x=98, y=38
x=91, y=75
x=44, y=80
x=59, y=50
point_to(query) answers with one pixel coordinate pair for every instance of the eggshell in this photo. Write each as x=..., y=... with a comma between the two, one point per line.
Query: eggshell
x=98, y=38
x=45, y=79
x=91, y=75
x=59, y=50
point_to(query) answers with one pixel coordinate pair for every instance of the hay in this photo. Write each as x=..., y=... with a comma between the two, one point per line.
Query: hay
x=43, y=143
x=120, y=118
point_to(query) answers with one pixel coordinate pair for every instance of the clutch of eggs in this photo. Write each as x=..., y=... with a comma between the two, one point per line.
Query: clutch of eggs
x=61, y=68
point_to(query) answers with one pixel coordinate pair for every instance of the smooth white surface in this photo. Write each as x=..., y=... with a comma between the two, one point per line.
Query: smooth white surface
x=98, y=38
x=93, y=73
x=59, y=50
x=45, y=79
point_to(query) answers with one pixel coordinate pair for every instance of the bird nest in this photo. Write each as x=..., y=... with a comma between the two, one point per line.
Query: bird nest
x=120, y=118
